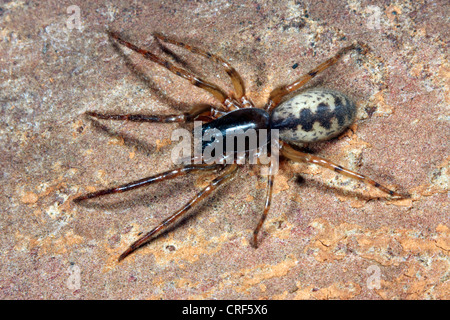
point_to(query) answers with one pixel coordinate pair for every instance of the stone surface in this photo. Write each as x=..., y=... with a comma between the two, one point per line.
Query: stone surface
x=326, y=237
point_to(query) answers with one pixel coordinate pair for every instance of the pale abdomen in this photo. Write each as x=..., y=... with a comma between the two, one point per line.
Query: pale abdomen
x=313, y=115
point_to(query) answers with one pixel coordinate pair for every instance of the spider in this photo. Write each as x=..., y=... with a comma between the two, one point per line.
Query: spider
x=312, y=115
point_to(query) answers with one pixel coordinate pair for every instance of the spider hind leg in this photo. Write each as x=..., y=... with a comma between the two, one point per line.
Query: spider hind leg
x=269, y=190
x=298, y=156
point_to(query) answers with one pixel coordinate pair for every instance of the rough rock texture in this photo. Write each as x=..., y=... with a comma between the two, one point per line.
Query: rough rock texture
x=326, y=237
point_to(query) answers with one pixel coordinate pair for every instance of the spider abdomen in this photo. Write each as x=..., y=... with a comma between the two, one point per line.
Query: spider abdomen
x=313, y=115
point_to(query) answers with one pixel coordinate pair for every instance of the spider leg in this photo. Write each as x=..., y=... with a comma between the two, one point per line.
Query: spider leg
x=197, y=111
x=277, y=94
x=196, y=81
x=225, y=176
x=149, y=180
x=270, y=179
x=236, y=79
x=298, y=156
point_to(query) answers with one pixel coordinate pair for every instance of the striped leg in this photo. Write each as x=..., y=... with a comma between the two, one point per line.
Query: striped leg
x=298, y=156
x=194, y=113
x=196, y=81
x=225, y=176
x=149, y=180
x=279, y=93
x=270, y=179
x=236, y=79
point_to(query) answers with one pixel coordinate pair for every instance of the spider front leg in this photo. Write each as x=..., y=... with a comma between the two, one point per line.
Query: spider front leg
x=193, y=114
x=153, y=179
x=218, y=93
x=298, y=156
x=236, y=79
x=279, y=93
x=225, y=176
